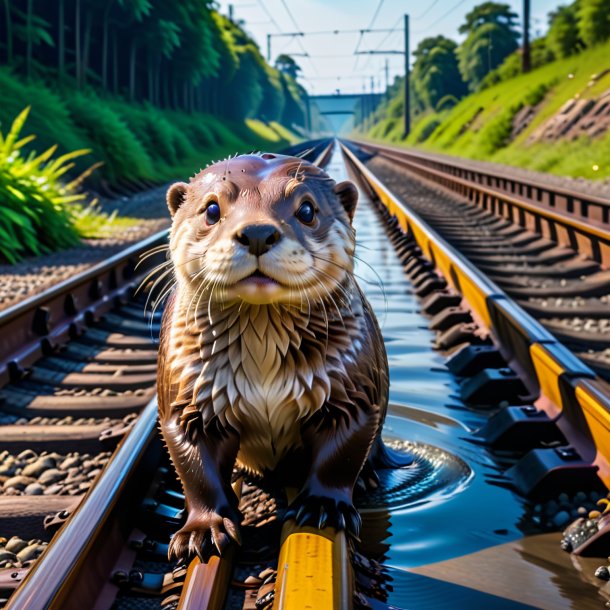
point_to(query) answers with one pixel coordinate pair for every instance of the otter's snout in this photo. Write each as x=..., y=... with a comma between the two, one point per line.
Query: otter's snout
x=258, y=238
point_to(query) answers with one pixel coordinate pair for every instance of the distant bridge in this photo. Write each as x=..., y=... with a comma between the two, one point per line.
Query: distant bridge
x=343, y=110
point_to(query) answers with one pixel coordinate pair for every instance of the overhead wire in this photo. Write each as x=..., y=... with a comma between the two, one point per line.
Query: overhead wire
x=299, y=41
x=442, y=16
x=430, y=7
x=373, y=19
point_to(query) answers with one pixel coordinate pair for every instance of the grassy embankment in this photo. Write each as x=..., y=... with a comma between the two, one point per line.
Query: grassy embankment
x=131, y=147
x=480, y=125
x=134, y=142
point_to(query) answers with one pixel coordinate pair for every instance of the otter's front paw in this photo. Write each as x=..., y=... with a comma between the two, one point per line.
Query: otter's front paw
x=326, y=510
x=203, y=533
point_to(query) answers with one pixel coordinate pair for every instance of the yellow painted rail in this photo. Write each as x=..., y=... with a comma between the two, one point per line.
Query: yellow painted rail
x=569, y=387
x=314, y=570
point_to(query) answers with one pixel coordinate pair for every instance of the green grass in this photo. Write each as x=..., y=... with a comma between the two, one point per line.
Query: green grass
x=479, y=127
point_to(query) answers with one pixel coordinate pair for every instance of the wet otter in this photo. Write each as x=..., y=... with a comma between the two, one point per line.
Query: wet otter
x=270, y=355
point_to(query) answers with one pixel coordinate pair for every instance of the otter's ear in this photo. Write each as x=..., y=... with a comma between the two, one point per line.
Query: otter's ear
x=348, y=196
x=175, y=196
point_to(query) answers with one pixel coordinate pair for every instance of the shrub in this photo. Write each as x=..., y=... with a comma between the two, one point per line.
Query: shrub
x=425, y=128
x=446, y=103
x=35, y=207
x=48, y=118
x=124, y=156
x=160, y=138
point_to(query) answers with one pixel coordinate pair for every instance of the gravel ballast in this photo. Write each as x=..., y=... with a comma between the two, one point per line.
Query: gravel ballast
x=35, y=274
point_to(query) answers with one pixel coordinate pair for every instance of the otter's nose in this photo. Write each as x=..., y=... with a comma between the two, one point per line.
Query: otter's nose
x=258, y=238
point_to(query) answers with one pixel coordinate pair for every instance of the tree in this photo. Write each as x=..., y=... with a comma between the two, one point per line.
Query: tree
x=435, y=71
x=563, y=37
x=594, y=21
x=287, y=65
x=491, y=36
x=183, y=55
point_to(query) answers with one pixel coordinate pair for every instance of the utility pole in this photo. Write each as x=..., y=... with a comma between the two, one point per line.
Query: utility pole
x=387, y=79
x=230, y=12
x=526, y=58
x=407, y=117
x=405, y=53
x=269, y=48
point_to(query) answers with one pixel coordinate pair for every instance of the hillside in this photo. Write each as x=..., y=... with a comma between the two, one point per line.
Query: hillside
x=554, y=119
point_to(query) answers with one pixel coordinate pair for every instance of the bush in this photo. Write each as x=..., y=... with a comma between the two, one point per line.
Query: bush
x=160, y=138
x=124, y=156
x=424, y=129
x=496, y=133
x=49, y=117
x=446, y=102
x=35, y=207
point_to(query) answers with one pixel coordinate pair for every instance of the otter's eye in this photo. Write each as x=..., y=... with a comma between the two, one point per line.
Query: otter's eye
x=306, y=212
x=212, y=213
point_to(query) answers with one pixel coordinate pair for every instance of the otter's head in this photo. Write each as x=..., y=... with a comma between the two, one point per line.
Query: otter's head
x=262, y=229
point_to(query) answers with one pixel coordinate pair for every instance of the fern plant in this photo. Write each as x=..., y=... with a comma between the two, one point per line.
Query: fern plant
x=36, y=207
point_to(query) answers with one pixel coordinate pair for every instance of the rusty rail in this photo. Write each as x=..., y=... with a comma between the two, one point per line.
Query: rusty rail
x=569, y=218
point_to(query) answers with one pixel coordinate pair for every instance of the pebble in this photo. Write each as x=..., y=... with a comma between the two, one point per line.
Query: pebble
x=35, y=469
x=20, y=553
x=69, y=463
x=7, y=555
x=15, y=544
x=34, y=489
x=52, y=475
x=30, y=552
x=561, y=518
x=49, y=473
x=18, y=482
x=603, y=573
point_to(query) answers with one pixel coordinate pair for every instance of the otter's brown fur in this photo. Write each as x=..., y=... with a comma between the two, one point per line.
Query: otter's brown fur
x=270, y=354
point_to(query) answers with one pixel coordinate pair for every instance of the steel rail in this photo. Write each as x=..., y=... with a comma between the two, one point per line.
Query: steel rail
x=74, y=568
x=61, y=578
x=28, y=329
x=572, y=391
x=581, y=230
x=571, y=201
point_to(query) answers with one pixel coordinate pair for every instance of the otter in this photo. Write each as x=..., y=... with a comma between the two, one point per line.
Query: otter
x=270, y=356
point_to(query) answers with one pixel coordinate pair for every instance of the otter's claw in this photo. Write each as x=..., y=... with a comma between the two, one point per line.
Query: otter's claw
x=203, y=534
x=325, y=511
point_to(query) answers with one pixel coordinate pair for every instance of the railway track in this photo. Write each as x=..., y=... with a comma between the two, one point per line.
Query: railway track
x=548, y=248
x=507, y=437
x=77, y=399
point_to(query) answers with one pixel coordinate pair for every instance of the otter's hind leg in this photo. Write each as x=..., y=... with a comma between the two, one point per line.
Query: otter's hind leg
x=204, y=462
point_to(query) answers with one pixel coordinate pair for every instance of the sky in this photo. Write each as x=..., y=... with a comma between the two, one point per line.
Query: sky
x=331, y=63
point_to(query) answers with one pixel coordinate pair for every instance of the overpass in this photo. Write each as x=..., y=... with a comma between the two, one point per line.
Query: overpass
x=341, y=111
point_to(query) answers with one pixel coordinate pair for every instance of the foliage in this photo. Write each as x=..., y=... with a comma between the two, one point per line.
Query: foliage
x=435, y=71
x=172, y=55
x=490, y=37
x=446, y=103
x=478, y=125
x=287, y=65
x=563, y=37
x=92, y=223
x=35, y=207
x=425, y=128
x=540, y=54
x=123, y=154
x=593, y=21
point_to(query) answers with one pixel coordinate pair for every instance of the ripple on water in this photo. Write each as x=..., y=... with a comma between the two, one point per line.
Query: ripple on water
x=434, y=473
